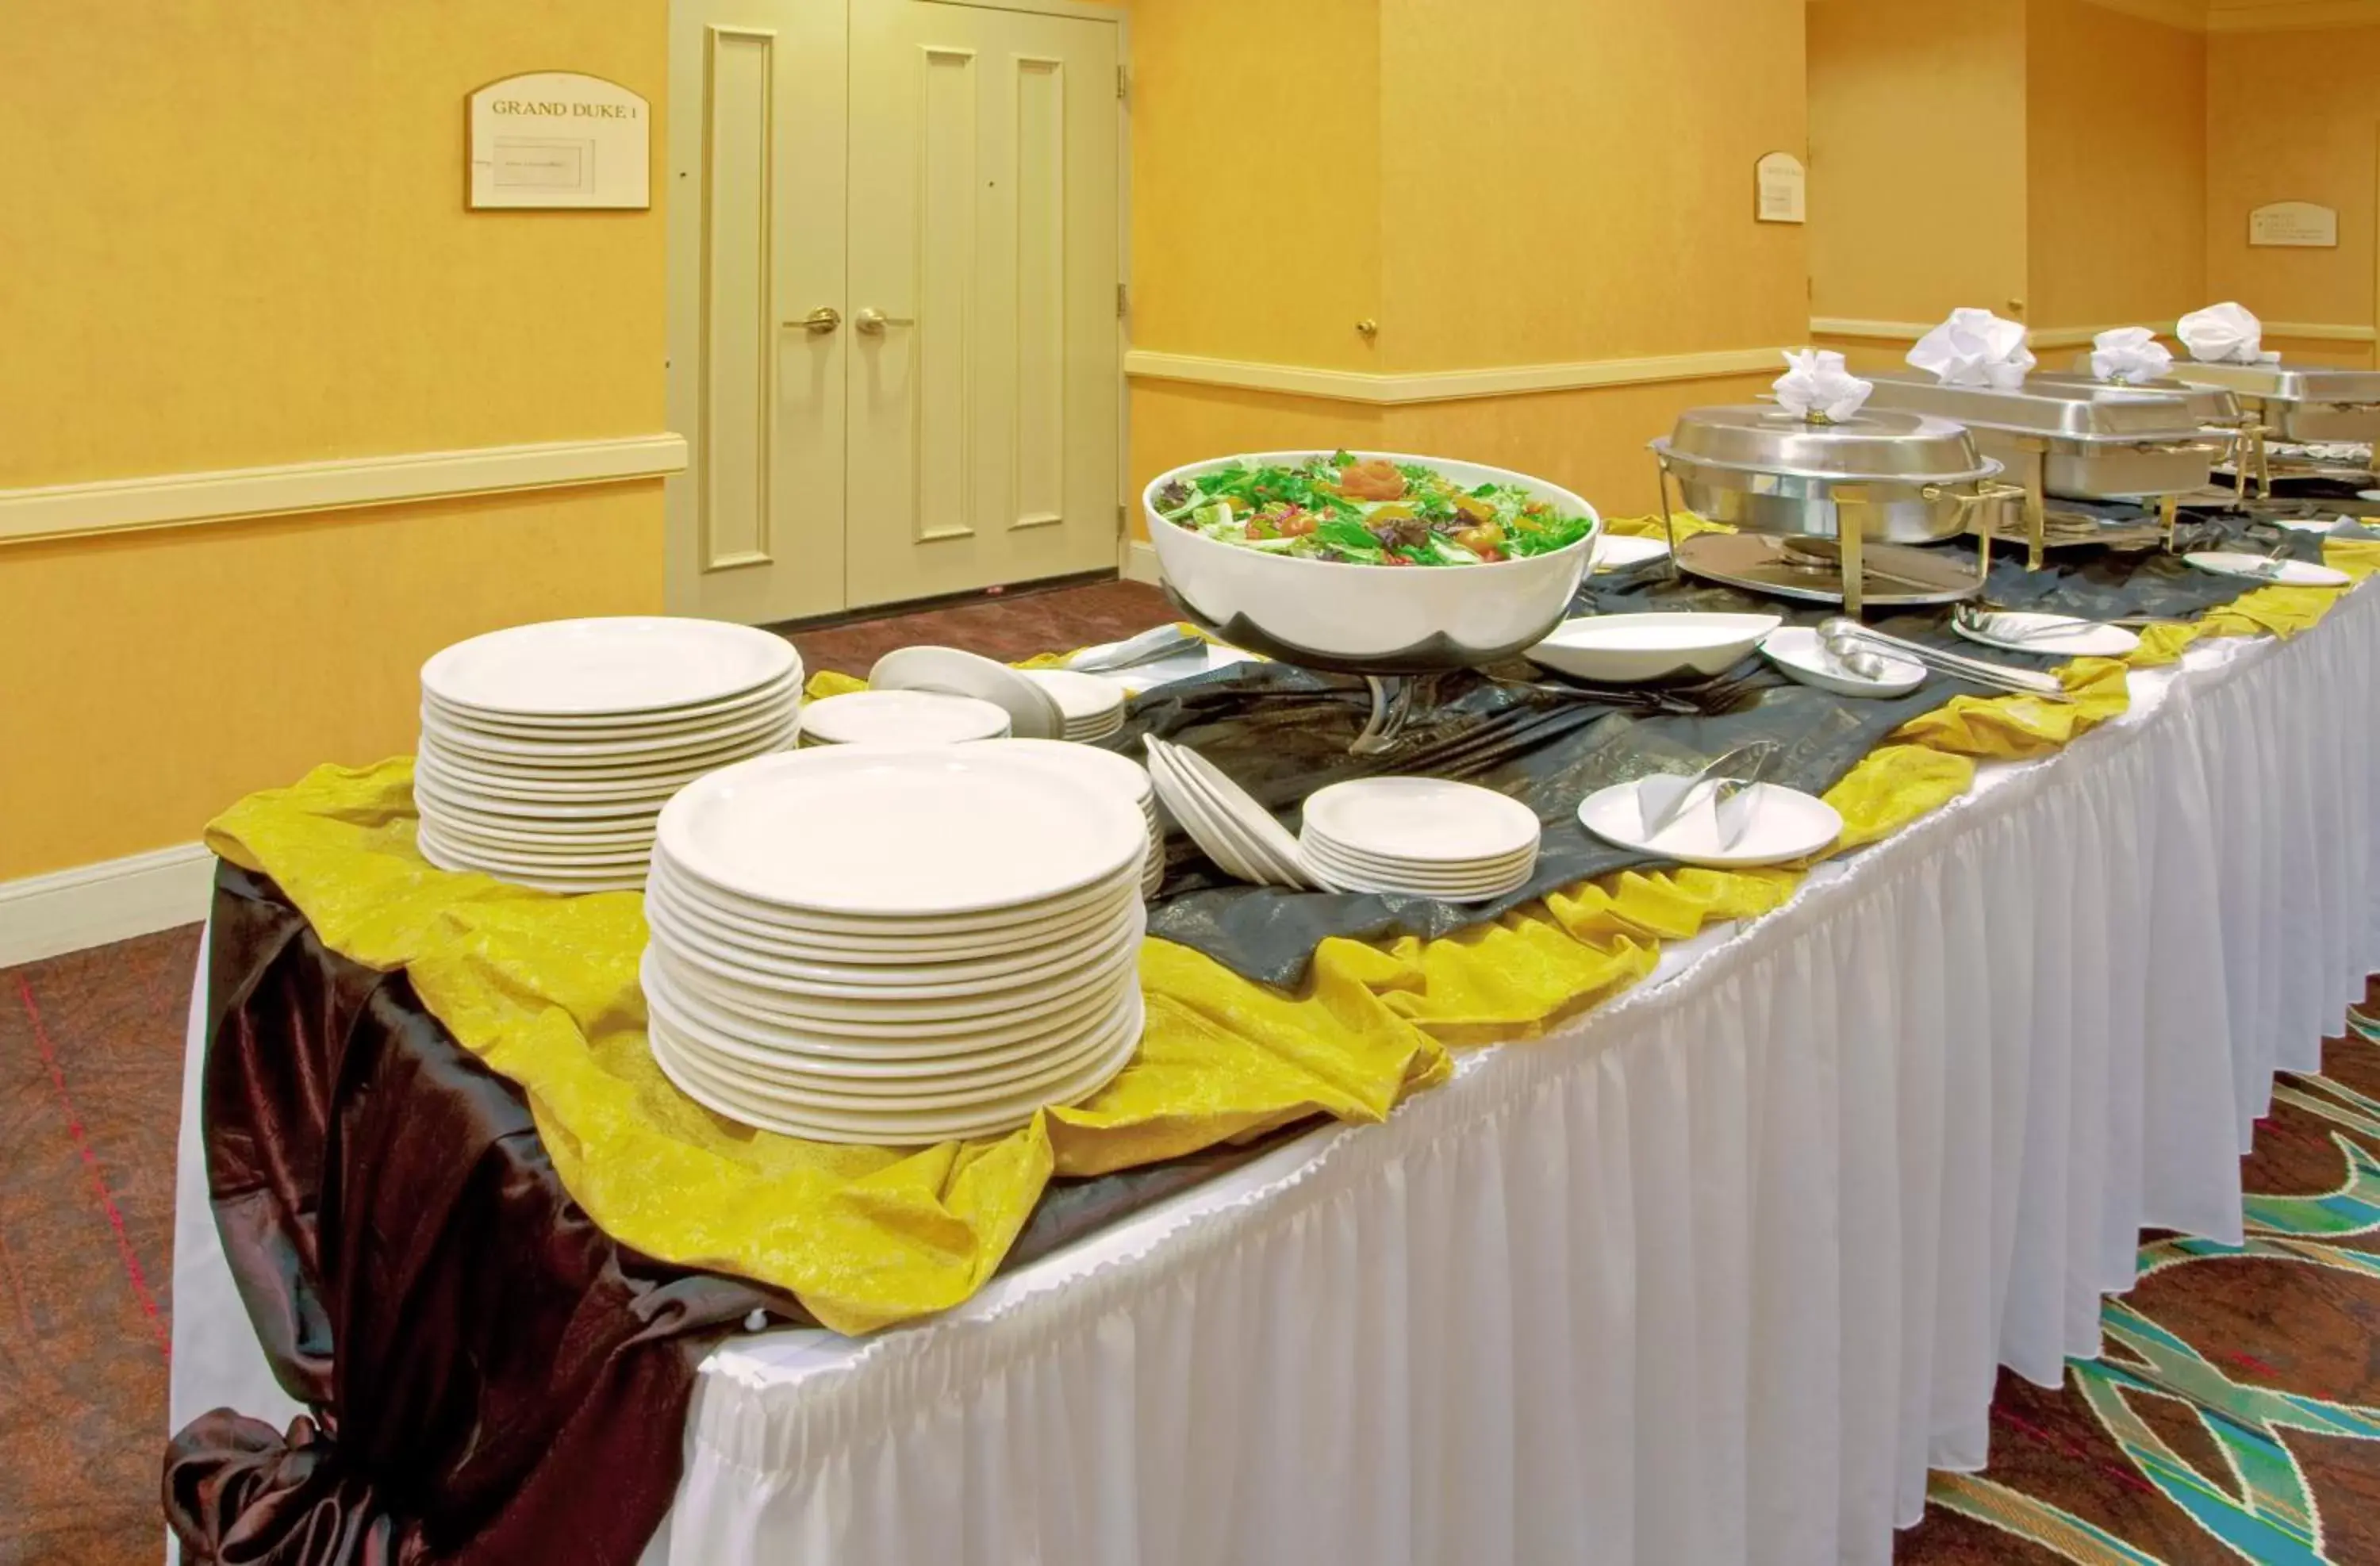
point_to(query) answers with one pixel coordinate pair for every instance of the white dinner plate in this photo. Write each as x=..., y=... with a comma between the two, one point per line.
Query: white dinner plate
x=1423, y=820
x=1230, y=849
x=1618, y=551
x=496, y=811
x=1077, y=904
x=818, y=1126
x=844, y=950
x=1084, y=701
x=2373, y=495
x=2006, y=629
x=1060, y=1059
x=1032, y=712
x=902, y=717
x=867, y=831
x=1630, y=649
x=804, y=982
x=662, y=775
x=1785, y=825
x=2292, y=573
x=565, y=885
x=1261, y=841
x=490, y=750
x=533, y=797
x=1041, y=997
x=953, y=1043
x=768, y=951
x=976, y=1070
x=1127, y=776
x=1395, y=886
x=625, y=663
x=1319, y=850
x=608, y=864
x=777, y=694
x=1798, y=651
x=468, y=832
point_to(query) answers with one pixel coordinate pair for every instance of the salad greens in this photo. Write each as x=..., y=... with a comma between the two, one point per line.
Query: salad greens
x=1368, y=513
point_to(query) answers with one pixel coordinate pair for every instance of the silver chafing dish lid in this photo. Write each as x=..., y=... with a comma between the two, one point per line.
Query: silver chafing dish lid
x=2208, y=405
x=1877, y=446
x=2055, y=407
x=2273, y=384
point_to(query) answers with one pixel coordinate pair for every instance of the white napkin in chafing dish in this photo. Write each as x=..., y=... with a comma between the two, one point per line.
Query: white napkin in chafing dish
x=2129, y=355
x=1975, y=347
x=2225, y=333
x=1817, y=383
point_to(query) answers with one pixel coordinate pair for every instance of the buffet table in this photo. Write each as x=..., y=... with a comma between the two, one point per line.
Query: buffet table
x=1732, y=1258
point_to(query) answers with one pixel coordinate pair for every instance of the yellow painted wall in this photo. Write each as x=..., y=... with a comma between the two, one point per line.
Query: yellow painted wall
x=235, y=235
x=1917, y=157
x=2295, y=117
x=1564, y=180
x=155, y=677
x=1256, y=178
x=1580, y=184
x=2115, y=186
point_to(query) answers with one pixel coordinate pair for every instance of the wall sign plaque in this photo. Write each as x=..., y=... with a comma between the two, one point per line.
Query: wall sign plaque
x=1782, y=189
x=2295, y=225
x=556, y=138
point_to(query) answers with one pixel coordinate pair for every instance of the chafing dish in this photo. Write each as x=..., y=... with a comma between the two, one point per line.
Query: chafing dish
x=2069, y=438
x=1884, y=476
x=2309, y=404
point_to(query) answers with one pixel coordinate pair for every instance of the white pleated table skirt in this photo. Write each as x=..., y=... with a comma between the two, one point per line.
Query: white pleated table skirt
x=1712, y=1275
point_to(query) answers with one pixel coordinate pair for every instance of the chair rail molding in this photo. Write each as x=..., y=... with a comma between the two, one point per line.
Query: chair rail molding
x=114, y=900
x=232, y=494
x=1445, y=385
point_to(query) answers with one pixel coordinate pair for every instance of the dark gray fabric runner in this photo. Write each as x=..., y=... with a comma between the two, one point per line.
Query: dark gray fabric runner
x=1283, y=733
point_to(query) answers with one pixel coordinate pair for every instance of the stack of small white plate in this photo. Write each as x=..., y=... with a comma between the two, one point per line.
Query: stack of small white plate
x=547, y=750
x=1032, y=712
x=894, y=946
x=901, y=717
x=1427, y=837
x=1127, y=777
x=1093, y=708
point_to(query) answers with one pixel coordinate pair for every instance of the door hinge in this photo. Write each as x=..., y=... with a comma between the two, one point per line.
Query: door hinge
x=1124, y=81
x=1123, y=301
x=1124, y=520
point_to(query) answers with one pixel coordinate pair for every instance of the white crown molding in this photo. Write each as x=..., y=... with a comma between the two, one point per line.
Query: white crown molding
x=1444, y=385
x=179, y=500
x=93, y=905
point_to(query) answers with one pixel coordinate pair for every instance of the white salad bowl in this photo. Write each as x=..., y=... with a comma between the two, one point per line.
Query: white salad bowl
x=1372, y=619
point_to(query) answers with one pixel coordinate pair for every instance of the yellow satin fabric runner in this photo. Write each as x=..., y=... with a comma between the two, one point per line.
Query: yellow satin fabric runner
x=544, y=989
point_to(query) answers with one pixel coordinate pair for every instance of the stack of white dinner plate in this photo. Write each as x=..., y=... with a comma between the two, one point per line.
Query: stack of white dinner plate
x=1127, y=777
x=894, y=946
x=901, y=717
x=1426, y=837
x=1229, y=824
x=1093, y=708
x=547, y=750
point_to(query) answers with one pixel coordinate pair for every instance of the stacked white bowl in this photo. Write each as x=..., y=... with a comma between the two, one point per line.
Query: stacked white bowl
x=894, y=946
x=901, y=717
x=548, y=750
x=1092, y=708
x=1128, y=779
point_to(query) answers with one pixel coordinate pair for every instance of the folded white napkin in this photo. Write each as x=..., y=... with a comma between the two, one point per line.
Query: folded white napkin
x=2129, y=355
x=1975, y=347
x=2225, y=333
x=1818, y=385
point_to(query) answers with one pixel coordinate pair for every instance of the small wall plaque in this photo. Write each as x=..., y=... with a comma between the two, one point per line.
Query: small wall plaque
x=2295, y=224
x=556, y=138
x=1783, y=187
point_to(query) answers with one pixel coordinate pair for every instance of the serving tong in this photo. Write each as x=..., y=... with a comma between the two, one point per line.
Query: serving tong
x=1842, y=637
x=1726, y=788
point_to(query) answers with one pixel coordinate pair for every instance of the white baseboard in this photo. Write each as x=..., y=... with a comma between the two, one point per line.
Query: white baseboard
x=93, y=905
x=1140, y=562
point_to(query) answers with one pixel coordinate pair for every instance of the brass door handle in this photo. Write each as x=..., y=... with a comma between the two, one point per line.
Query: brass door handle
x=820, y=321
x=873, y=321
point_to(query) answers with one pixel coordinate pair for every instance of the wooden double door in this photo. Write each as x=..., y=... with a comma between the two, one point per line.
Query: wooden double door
x=894, y=258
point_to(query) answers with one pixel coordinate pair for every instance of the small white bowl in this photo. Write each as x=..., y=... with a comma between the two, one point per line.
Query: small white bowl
x=1633, y=649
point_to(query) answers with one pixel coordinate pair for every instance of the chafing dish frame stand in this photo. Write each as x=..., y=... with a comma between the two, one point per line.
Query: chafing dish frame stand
x=1850, y=540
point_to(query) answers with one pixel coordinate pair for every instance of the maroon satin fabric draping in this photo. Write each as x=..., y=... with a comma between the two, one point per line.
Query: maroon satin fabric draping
x=492, y=1380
